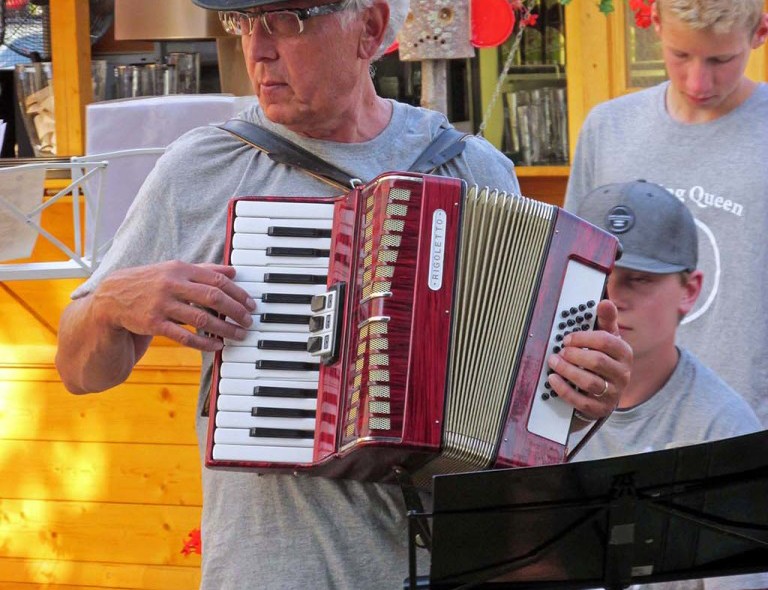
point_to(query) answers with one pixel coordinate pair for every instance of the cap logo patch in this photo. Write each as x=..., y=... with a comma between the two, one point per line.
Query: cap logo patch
x=620, y=219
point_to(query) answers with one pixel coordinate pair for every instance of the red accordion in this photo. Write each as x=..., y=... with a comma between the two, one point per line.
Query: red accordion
x=403, y=325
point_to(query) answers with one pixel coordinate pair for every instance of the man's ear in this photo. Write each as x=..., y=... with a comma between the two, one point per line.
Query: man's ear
x=761, y=34
x=691, y=291
x=375, y=20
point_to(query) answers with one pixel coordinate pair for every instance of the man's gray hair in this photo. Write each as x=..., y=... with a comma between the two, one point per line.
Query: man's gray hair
x=719, y=16
x=398, y=11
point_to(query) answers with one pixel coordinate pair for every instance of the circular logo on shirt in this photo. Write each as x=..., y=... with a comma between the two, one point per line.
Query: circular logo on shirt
x=620, y=219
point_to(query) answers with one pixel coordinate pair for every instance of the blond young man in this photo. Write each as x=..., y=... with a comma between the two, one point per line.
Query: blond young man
x=703, y=135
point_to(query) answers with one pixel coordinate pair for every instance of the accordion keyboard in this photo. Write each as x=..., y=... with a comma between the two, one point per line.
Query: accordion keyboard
x=267, y=402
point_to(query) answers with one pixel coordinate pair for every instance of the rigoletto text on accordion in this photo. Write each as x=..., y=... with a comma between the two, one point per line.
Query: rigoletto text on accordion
x=405, y=324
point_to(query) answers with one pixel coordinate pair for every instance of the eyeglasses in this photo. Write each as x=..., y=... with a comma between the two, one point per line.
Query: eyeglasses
x=278, y=23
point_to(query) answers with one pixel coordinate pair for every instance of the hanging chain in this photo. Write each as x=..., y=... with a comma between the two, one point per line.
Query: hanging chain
x=501, y=80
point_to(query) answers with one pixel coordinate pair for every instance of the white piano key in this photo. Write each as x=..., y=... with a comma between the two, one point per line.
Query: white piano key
x=261, y=225
x=254, y=337
x=288, y=210
x=246, y=386
x=257, y=288
x=287, y=308
x=245, y=420
x=251, y=354
x=260, y=326
x=244, y=403
x=241, y=436
x=245, y=371
x=256, y=273
x=262, y=454
x=240, y=257
x=262, y=241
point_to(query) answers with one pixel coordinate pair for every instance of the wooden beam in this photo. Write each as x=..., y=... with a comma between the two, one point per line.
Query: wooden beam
x=71, y=61
x=589, y=66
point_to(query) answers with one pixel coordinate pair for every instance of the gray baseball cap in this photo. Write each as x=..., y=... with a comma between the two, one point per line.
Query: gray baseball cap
x=657, y=232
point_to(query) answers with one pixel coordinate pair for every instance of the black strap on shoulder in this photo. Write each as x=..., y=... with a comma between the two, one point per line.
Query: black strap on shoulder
x=286, y=152
x=448, y=144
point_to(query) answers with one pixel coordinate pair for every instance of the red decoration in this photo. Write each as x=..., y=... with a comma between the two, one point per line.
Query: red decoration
x=642, y=10
x=193, y=544
x=392, y=48
x=492, y=22
x=530, y=20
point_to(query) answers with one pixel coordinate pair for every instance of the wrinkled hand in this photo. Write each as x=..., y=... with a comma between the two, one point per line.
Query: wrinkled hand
x=598, y=362
x=159, y=299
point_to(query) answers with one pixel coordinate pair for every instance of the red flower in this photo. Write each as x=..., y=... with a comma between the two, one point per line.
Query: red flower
x=530, y=20
x=193, y=544
x=642, y=10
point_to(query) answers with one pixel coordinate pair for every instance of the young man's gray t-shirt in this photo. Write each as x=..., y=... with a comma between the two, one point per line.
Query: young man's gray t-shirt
x=693, y=406
x=283, y=531
x=719, y=171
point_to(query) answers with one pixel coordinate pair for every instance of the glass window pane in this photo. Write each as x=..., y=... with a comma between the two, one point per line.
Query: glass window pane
x=645, y=66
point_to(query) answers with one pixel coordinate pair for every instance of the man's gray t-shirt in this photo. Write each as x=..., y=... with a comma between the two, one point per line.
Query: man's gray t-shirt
x=719, y=171
x=280, y=531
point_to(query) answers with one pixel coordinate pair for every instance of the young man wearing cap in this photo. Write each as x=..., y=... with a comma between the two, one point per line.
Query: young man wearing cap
x=672, y=398
x=309, y=65
x=703, y=135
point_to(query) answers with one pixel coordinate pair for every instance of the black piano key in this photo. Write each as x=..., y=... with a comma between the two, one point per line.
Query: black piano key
x=285, y=392
x=298, y=232
x=281, y=433
x=295, y=279
x=286, y=365
x=281, y=345
x=284, y=318
x=282, y=413
x=286, y=298
x=299, y=252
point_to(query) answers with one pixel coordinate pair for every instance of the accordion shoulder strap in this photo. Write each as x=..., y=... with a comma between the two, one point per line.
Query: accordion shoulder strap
x=446, y=145
x=286, y=152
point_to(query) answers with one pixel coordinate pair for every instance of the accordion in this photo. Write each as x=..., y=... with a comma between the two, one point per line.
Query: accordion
x=402, y=326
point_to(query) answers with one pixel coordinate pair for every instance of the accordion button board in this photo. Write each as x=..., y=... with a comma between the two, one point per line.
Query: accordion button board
x=583, y=286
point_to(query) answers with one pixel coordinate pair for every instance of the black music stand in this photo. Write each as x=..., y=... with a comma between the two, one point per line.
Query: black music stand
x=690, y=512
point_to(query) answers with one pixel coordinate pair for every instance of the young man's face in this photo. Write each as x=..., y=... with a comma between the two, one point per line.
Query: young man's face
x=650, y=307
x=706, y=69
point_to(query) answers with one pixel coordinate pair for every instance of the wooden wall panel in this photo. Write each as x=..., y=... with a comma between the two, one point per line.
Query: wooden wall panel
x=100, y=490
x=28, y=574
x=102, y=532
x=131, y=413
x=84, y=471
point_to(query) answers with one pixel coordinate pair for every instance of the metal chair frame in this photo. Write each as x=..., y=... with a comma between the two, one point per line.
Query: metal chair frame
x=79, y=263
x=88, y=177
